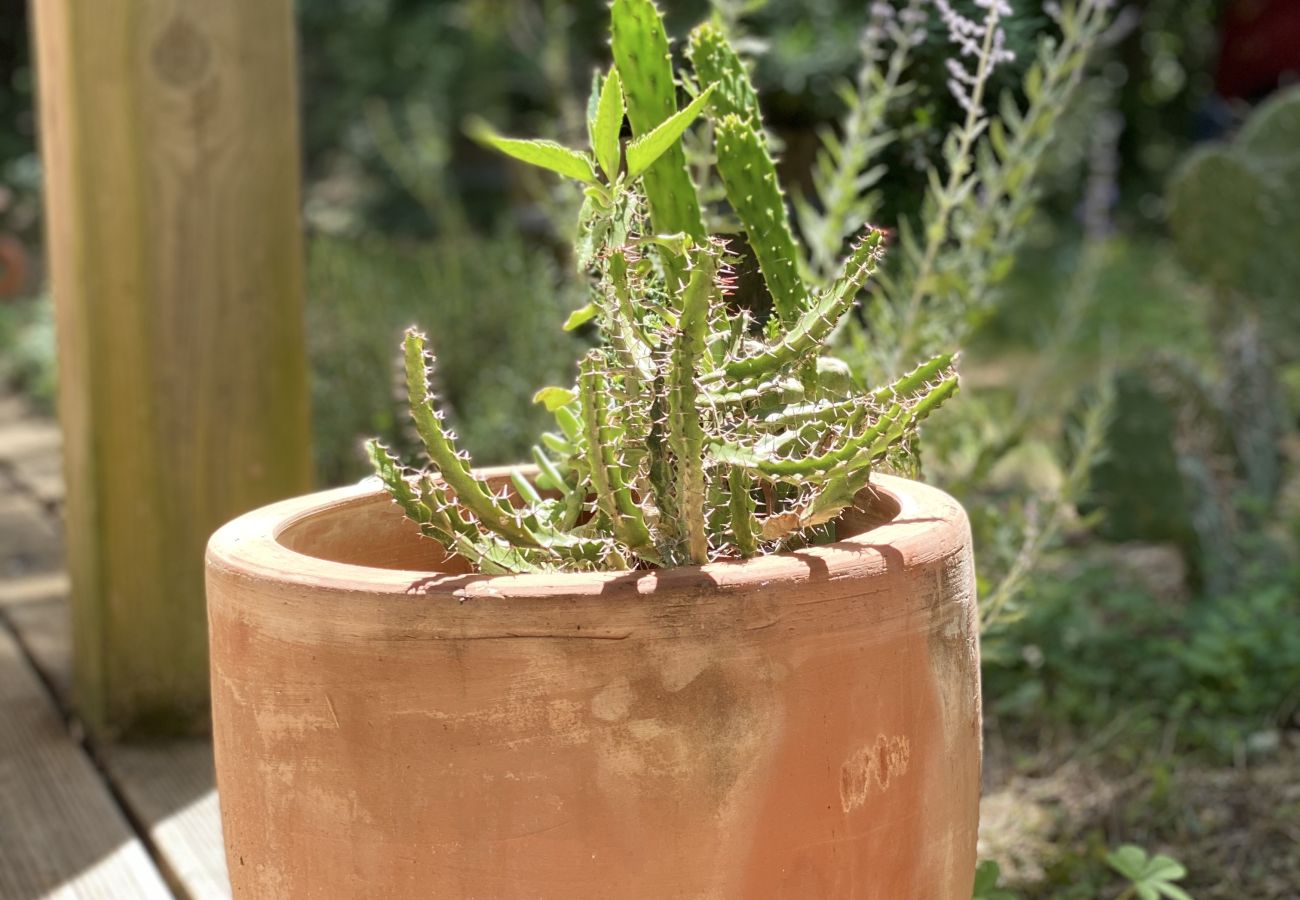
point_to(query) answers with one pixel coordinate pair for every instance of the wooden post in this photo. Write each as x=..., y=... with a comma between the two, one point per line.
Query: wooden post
x=170, y=140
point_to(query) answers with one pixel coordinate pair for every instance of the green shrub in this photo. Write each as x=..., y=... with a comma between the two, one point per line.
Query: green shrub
x=27, y=350
x=498, y=305
x=1206, y=672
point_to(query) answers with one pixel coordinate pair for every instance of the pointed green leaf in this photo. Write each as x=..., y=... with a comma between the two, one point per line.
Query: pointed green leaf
x=609, y=124
x=554, y=397
x=643, y=151
x=580, y=317
x=593, y=104
x=537, y=152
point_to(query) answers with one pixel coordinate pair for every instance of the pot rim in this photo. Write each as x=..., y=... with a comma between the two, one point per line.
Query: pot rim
x=929, y=524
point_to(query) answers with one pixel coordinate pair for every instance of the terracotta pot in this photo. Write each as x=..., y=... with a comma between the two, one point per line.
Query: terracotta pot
x=801, y=726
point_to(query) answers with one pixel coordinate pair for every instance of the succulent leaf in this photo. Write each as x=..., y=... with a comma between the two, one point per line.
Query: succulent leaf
x=647, y=148
x=608, y=124
x=538, y=152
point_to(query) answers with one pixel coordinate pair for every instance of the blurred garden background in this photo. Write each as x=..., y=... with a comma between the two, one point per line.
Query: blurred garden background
x=1127, y=438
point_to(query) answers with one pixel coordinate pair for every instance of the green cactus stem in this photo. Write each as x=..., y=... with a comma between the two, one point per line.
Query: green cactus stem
x=716, y=62
x=641, y=52
x=694, y=432
x=749, y=175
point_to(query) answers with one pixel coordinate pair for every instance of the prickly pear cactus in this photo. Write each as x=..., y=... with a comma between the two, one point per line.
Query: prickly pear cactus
x=1234, y=210
x=693, y=432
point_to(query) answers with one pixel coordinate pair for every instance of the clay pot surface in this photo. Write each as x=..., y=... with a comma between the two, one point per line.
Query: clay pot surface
x=801, y=726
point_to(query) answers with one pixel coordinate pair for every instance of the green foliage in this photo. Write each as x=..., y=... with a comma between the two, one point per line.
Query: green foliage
x=987, y=874
x=954, y=254
x=848, y=169
x=1096, y=656
x=546, y=154
x=1235, y=214
x=1150, y=877
x=980, y=197
x=27, y=352
x=644, y=61
x=692, y=433
x=361, y=293
x=1234, y=211
x=1138, y=482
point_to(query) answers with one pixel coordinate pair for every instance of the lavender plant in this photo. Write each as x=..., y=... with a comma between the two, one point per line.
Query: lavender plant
x=981, y=194
x=694, y=431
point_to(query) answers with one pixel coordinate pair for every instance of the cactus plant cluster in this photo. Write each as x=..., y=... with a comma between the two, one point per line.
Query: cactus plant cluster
x=696, y=431
x=1234, y=210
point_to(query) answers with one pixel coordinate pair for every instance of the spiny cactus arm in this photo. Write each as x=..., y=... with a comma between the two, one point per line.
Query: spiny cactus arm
x=744, y=525
x=749, y=175
x=716, y=62
x=812, y=329
x=915, y=380
x=824, y=412
x=609, y=477
x=685, y=434
x=658, y=480
x=834, y=495
x=393, y=475
x=620, y=320
x=641, y=53
x=492, y=512
x=633, y=370
x=853, y=453
x=438, y=518
x=485, y=551
x=772, y=392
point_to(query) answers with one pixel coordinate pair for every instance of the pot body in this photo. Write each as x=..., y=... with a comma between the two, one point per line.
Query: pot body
x=802, y=726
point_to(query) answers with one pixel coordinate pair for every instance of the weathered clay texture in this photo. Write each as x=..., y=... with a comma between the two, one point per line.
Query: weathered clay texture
x=798, y=727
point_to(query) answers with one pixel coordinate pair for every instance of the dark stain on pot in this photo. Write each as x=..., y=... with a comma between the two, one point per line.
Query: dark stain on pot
x=705, y=734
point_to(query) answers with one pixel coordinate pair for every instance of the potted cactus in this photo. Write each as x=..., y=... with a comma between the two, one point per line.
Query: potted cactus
x=697, y=649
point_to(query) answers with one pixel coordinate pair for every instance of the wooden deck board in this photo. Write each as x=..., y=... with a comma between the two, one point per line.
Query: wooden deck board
x=43, y=628
x=62, y=837
x=62, y=833
x=169, y=788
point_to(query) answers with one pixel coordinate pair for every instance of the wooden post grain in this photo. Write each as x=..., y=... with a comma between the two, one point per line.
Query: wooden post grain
x=170, y=141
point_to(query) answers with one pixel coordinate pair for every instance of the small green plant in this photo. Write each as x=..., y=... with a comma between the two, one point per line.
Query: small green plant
x=697, y=430
x=1241, y=198
x=957, y=243
x=987, y=874
x=1150, y=877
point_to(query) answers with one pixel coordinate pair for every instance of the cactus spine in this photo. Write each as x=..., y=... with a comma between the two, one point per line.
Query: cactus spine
x=692, y=433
